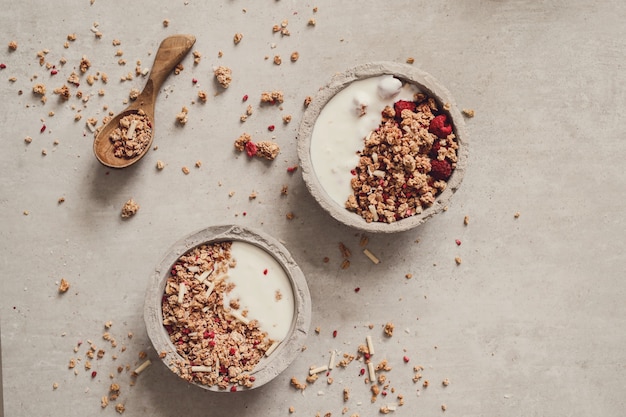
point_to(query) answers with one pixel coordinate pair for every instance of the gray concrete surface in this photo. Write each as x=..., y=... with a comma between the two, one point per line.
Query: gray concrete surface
x=531, y=323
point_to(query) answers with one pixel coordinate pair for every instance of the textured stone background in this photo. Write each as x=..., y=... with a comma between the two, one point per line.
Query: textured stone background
x=530, y=324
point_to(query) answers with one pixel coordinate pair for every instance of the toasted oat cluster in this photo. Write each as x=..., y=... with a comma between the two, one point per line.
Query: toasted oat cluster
x=129, y=209
x=132, y=135
x=219, y=345
x=405, y=162
x=223, y=75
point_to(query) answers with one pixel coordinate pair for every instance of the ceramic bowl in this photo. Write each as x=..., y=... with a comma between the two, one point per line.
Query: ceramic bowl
x=295, y=329
x=316, y=169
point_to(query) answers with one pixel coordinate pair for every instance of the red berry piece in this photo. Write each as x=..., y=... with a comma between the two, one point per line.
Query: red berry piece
x=251, y=149
x=400, y=105
x=440, y=126
x=440, y=170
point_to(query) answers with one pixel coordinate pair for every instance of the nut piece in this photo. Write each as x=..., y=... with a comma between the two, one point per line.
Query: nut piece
x=63, y=286
x=389, y=329
x=129, y=209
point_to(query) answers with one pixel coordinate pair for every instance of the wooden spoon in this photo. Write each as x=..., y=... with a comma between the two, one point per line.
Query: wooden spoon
x=171, y=51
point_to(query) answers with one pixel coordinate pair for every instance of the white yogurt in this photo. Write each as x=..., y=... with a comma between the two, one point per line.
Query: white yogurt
x=257, y=278
x=339, y=130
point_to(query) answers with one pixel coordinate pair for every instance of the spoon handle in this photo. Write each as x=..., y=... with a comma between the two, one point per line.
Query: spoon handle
x=171, y=51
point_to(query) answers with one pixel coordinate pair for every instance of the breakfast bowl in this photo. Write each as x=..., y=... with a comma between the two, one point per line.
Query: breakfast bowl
x=227, y=309
x=382, y=147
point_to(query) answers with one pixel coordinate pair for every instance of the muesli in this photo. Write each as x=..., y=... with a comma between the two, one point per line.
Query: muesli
x=219, y=345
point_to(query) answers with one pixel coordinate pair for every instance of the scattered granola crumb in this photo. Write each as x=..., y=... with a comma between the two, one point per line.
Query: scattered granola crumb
x=197, y=56
x=297, y=384
x=198, y=163
x=468, y=113
x=129, y=209
x=458, y=260
x=237, y=38
x=292, y=409
x=185, y=170
x=223, y=75
x=466, y=220
x=85, y=64
x=277, y=60
x=202, y=95
x=55, y=385
x=443, y=407
x=312, y=22
x=307, y=101
x=166, y=22
x=28, y=139
x=64, y=286
x=61, y=200
x=408, y=276
x=39, y=89
x=410, y=60
x=134, y=93
x=516, y=215
x=181, y=117
x=12, y=46
x=120, y=408
x=104, y=401
x=445, y=382
x=268, y=150
x=272, y=97
x=287, y=118
x=160, y=165
x=252, y=195
x=389, y=329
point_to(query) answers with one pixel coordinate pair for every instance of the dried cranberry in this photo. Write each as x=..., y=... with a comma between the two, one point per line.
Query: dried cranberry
x=232, y=351
x=334, y=333
x=211, y=343
x=265, y=271
x=194, y=80
x=245, y=98
x=233, y=388
x=405, y=359
x=292, y=169
x=93, y=374
x=458, y=242
x=271, y=128
x=357, y=289
x=362, y=371
x=43, y=129
x=3, y=66
x=252, y=379
x=54, y=72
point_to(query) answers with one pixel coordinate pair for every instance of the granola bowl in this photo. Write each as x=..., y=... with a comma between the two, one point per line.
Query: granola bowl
x=227, y=309
x=382, y=147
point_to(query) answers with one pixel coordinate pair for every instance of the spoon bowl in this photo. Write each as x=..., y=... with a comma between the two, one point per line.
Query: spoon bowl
x=171, y=51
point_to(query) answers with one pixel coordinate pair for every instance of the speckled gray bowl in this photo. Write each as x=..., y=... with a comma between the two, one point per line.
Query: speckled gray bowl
x=405, y=73
x=289, y=348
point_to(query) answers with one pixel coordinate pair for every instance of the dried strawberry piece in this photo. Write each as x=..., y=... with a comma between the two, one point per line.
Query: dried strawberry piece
x=251, y=149
x=400, y=105
x=440, y=170
x=440, y=126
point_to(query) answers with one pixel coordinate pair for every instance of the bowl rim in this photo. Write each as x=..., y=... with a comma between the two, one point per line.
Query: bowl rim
x=269, y=367
x=405, y=73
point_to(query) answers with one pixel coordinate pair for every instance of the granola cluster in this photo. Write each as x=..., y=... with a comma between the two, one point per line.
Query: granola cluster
x=405, y=162
x=132, y=135
x=218, y=344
